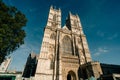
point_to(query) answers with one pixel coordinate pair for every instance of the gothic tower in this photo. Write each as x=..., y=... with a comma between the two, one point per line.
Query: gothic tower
x=64, y=51
x=47, y=58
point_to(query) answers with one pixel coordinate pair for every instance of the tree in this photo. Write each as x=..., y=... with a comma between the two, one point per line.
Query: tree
x=12, y=34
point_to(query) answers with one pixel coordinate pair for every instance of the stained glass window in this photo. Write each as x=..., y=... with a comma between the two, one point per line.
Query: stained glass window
x=66, y=45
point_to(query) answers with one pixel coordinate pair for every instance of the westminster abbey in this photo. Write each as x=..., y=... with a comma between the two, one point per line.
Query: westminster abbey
x=64, y=52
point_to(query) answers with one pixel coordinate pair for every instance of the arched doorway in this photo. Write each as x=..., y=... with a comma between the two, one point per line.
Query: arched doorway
x=71, y=75
x=68, y=77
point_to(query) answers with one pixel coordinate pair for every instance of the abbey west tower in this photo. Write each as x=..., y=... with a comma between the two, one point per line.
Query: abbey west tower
x=64, y=51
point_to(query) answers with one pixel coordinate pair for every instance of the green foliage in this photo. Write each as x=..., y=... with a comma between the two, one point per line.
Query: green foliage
x=11, y=33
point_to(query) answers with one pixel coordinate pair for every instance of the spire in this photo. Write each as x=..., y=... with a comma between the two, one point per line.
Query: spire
x=77, y=15
x=78, y=18
x=59, y=10
x=69, y=13
x=51, y=7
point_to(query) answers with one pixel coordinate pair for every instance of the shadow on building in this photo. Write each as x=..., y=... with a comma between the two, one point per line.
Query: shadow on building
x=30, y=67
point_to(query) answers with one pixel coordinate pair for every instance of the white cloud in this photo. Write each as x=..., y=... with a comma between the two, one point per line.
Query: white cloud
x=97, y=54
x=113, y=36
x=100, y=51
x=101, y=34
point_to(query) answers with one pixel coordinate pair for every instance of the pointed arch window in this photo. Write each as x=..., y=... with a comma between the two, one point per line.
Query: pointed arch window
x=51, y=61
x=67, y=45
x=51, y=64
x=75, y=23
x=54, y=17
x=53, y=36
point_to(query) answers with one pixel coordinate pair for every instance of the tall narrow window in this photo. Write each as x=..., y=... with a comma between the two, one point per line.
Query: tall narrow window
x=54, y=17
x=67, y=45
x=51, y=64
x=53, y=36
x=75, y=23
x=54, y=23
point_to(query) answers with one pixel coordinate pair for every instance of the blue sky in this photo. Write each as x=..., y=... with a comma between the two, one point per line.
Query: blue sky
x=100, y=20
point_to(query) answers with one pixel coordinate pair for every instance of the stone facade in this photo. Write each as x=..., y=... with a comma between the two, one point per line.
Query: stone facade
x=64, y=51
x=4, y=65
